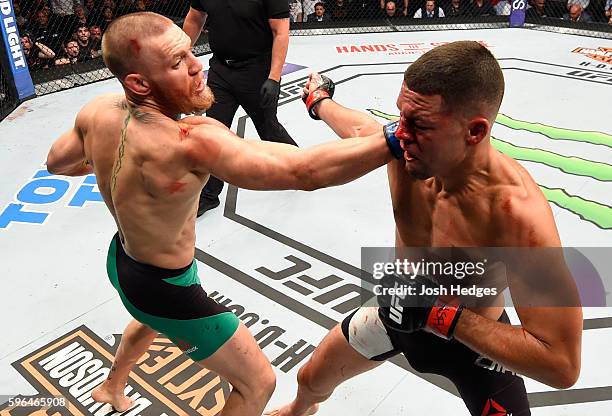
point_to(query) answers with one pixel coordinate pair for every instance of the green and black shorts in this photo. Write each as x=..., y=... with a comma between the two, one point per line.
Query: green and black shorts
x=171, y=302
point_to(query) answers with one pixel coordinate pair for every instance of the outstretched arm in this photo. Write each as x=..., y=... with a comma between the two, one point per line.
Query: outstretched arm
x=274, y=166
x=67, y=154
x=344, y=121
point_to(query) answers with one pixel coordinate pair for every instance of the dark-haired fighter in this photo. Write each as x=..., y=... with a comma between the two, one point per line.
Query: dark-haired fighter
x=150, y=170
x=451, y=189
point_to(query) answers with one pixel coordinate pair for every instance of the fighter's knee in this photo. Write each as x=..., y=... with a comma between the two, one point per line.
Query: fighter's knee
x=256, y=386
x=268, y=381
x=307, y=379
x=263, y=383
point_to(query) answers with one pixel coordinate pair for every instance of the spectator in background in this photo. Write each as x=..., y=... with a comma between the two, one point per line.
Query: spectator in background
x=79, y=18
x=83, y=38
x=400, y=9
x=339, y=9
x=319, y=14
x=480, y=8
x=106, y=18
x=44, y=30
x=62, y=7
x=80, y=15
x=96, y=41
x=91, y=8
x=139, y=6
x=390, y=10
x=38, y=55
x=308, y=8
x=295, y=10
x=538, y=10
x=577, y=14
x=21, y=20
x=109, y=3
x=608, y=10
x=582, y=3
x=70, y=55
x=429, y=11
x=96, y=33
x=503, y=8
x=455, y=8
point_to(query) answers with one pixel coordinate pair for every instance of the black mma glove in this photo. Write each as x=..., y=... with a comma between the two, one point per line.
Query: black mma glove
x=406, y=311
x=269, y=92
x=325, y=89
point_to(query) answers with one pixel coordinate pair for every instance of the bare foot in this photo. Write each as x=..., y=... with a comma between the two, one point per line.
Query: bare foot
x=288, y=410
x=103, y=394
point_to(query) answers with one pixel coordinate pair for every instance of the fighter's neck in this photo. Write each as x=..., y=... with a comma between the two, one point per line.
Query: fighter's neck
x=473, y=175
x=148, y=110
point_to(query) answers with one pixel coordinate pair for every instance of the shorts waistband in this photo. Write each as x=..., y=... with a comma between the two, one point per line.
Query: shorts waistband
x=149, y=270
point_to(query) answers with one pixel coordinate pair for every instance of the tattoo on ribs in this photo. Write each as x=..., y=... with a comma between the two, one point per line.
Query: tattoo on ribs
x=119, y=161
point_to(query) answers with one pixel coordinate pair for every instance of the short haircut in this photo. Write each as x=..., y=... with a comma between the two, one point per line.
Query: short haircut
x=125, y=32
x=319, y=3
x=465, y=74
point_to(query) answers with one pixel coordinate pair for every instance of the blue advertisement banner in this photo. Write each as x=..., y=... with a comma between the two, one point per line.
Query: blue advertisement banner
x=15, y=56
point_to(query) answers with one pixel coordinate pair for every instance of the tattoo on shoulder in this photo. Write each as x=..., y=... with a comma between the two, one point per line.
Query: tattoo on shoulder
x=119, y=161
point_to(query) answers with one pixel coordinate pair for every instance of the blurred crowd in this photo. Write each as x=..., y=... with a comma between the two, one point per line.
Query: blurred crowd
x=338, y=10
x=60, y=32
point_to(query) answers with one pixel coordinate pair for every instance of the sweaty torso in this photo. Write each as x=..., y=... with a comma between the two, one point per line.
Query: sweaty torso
x=426, y=216
x=146, y=180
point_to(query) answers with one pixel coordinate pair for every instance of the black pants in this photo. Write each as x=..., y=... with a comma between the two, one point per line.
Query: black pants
x=236, y=85
x=484, y=385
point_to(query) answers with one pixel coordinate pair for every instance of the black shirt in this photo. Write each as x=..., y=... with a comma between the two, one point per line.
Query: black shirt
x=239, y=29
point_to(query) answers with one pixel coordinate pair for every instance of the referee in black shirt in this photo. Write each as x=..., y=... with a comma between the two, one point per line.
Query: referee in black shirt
x=249, y=40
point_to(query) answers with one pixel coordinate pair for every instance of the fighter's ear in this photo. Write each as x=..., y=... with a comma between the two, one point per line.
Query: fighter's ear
x=137, y=84
x=478, y=129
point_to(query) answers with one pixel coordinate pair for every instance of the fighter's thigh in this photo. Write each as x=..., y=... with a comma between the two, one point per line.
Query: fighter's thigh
x=366, y=334
x=240, y=361
x=137, y=333
x=492, y=393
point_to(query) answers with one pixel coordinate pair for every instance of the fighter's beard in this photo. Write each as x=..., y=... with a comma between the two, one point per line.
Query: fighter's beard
x=203, y=101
